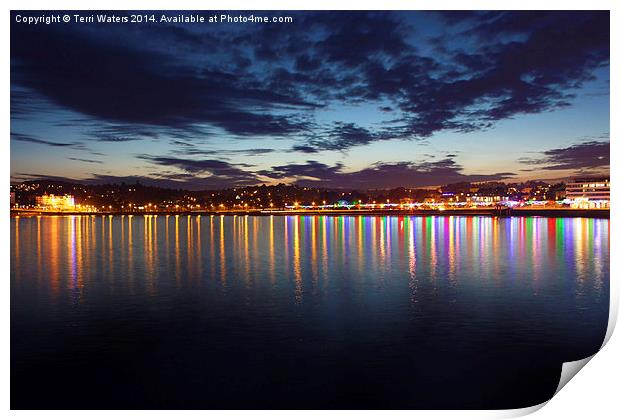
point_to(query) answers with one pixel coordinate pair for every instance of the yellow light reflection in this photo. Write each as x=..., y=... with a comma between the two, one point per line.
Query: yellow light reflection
x=272, y=253
x=177, y=251
x=222, y=254
x=297, y=261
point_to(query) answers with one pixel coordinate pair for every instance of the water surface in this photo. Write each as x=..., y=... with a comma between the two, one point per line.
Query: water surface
x=301, y=311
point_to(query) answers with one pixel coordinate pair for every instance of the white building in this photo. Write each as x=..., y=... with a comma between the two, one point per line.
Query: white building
x=588, y=193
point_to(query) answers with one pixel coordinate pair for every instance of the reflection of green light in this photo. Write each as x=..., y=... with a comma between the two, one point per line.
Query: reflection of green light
x=559, y=237
x=561, y=243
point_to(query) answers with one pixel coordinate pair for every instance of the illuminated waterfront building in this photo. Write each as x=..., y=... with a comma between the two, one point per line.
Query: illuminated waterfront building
x=54, y=202
x=588, y=193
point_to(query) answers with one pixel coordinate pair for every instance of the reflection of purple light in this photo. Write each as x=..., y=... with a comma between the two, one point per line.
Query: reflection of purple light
x=568, y=234
x=73, y=255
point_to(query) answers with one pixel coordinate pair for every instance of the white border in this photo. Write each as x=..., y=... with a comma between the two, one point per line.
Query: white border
x=594, y=394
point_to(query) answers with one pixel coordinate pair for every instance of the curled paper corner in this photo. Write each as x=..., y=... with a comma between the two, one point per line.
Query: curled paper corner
x=569, y=370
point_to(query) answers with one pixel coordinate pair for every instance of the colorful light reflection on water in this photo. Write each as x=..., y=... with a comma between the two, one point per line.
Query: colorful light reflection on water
x=376, y=294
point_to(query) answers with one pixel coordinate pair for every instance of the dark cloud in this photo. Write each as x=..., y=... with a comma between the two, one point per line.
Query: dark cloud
x=310, y=169
x=249, y=152
x=36, y=140
x=189, y=149
x=344, y=136
x=85, y=160
x=341, y=136
x=306, y=63
x=524, y=62
x=379, y=175
x=354, y=37
x=588, y=155
x=559, y=51
x=304, y=149
x=529, y=62
x=490, y=24
x=219, y=172
x=26, y=176
x=455, y=17
x=80, y=146
x=112, y=139
x=508, y=77
x=127, y=84
x=25, y=103
x=120, y=133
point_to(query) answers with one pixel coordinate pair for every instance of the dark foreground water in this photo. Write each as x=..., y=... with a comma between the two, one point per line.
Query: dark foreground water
x=301, y=311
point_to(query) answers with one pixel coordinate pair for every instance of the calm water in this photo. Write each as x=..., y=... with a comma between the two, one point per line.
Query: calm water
x=301, y=311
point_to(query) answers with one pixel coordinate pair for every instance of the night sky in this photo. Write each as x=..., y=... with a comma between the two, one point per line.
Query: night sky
x=334, y=99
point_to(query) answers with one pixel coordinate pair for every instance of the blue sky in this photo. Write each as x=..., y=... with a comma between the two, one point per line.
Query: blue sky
x=333, y=99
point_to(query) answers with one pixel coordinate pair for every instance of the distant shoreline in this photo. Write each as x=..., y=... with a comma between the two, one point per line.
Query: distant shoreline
x=518, y=212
